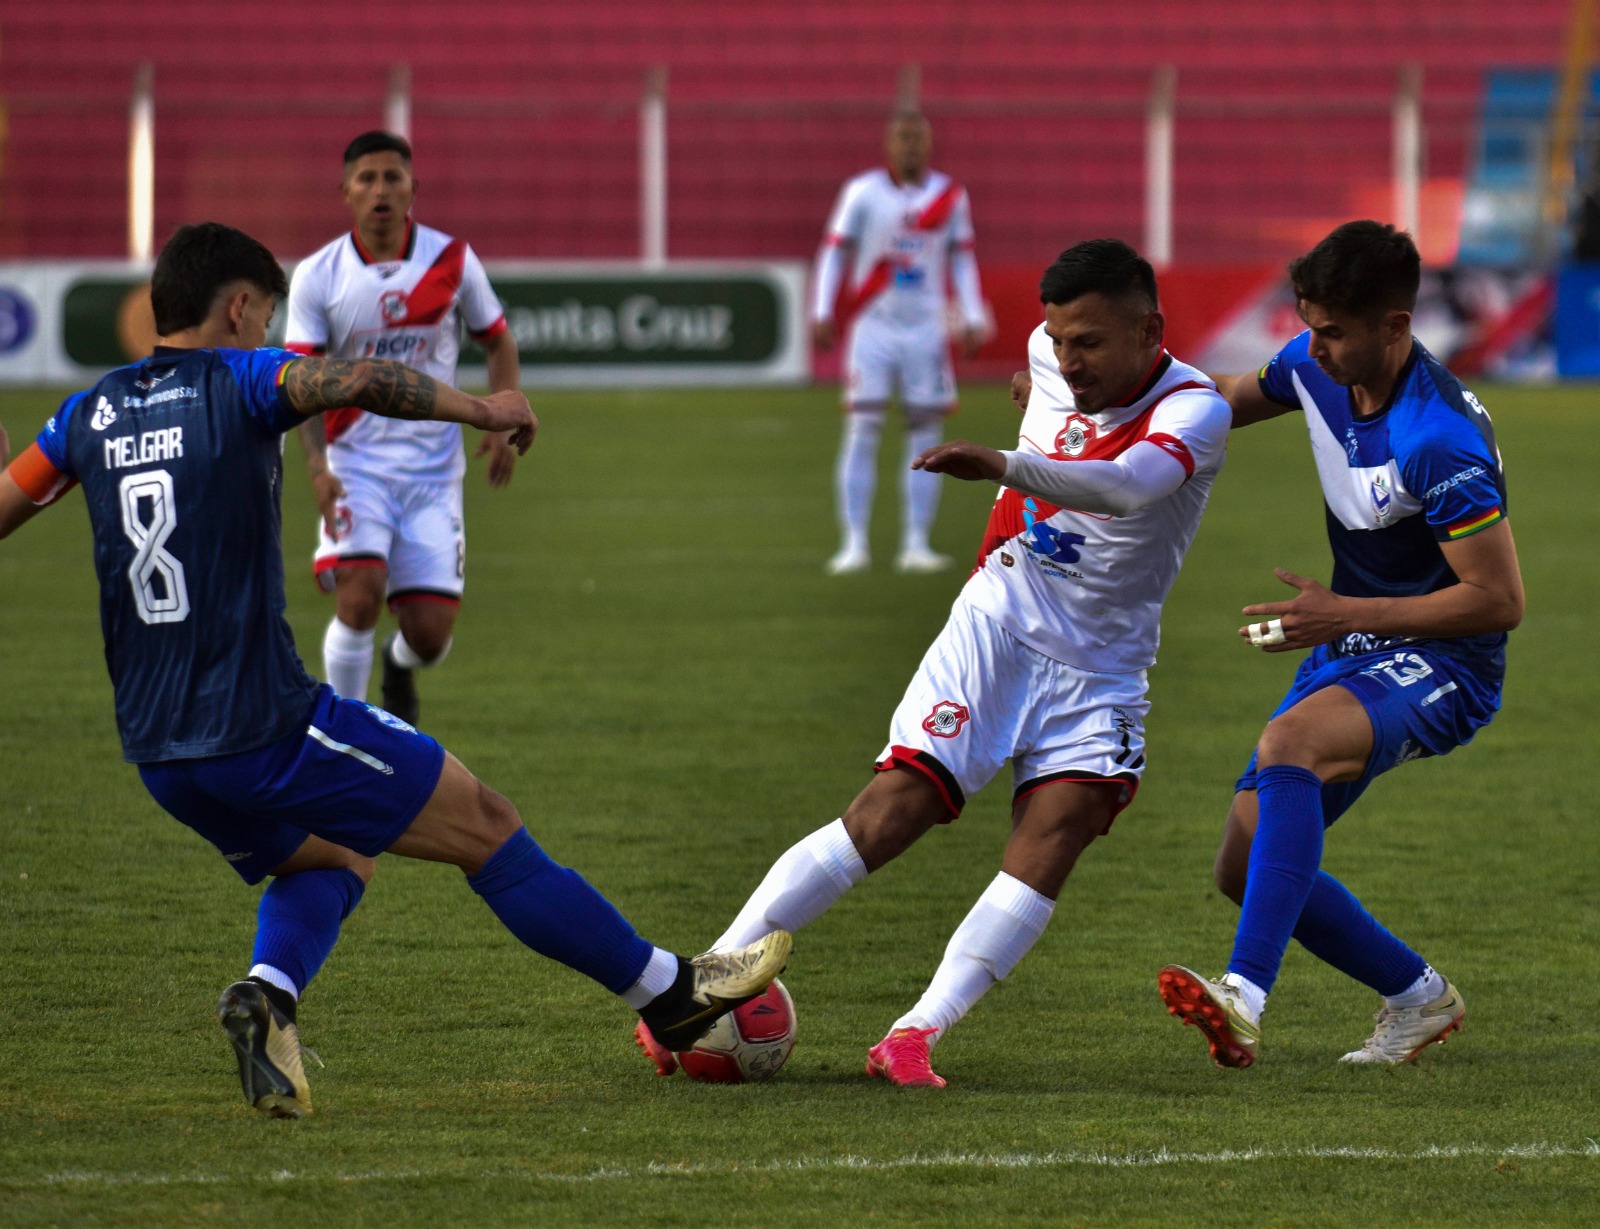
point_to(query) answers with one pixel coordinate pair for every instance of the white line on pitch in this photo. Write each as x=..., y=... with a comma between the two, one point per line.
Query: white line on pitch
x=932, y=1160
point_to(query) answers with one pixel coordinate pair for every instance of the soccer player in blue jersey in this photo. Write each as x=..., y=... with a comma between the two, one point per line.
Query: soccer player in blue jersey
x=180, y=459
x=1407, y=642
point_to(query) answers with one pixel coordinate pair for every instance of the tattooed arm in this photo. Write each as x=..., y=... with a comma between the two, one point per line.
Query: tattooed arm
x=394, y=390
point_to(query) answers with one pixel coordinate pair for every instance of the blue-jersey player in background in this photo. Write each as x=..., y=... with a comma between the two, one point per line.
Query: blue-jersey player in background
x=1408, y=640
x=180, y=460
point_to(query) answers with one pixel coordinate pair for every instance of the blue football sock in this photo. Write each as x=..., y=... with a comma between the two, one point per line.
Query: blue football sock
x=558, y=914
x=298, y=921
x=1336, y=928
x=1283, y=865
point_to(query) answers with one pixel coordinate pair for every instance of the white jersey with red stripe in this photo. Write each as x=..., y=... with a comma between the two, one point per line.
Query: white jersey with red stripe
x=909, y=241
x=1086, y=588
x=344, y=304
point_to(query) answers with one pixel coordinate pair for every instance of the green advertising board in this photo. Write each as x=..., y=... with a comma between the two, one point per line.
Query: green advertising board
x=699, y=322
x=642, y=320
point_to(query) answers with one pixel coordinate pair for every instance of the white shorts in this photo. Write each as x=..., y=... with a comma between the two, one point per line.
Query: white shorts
x=415, y=529
x=913, y=358
x=982, y=697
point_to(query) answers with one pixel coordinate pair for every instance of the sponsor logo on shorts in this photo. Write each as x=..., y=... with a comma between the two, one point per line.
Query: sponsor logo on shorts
x=390, y=720
x=1007, y=559
x=946, y=719
x=238, y=857
x=1073, y=438
x=343, y=521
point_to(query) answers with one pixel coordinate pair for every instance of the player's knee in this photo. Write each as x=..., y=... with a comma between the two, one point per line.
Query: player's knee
x=890, y=815
x=1287, y=741
x=497, y=817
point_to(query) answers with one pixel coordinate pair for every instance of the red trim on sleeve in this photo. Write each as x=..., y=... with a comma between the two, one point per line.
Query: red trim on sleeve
x=37, y=477
x=336, y=422
x=306, y=348
x=493, y=331
x=1174, y=448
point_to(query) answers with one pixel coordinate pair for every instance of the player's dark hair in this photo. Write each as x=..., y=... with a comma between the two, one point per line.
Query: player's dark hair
x=198, y=263
x=377, y=142
x=1361, y=268
x=1104, y=266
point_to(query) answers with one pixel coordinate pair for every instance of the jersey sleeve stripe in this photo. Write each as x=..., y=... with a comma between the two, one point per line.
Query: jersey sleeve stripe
x=1473, y=524
x=37, y=478
x=307, y=348
x=1174, y=448
x=493, y=331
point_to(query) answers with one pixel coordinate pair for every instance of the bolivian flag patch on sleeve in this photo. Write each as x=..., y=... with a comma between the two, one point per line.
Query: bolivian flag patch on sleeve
x=1475, y=522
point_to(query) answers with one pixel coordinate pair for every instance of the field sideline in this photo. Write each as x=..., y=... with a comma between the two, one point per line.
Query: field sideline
x=652, y=666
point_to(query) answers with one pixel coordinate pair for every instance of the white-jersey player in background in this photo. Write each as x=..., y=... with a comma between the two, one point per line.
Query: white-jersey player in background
x=898, y=235
x=390, y=491
x=1043, y=659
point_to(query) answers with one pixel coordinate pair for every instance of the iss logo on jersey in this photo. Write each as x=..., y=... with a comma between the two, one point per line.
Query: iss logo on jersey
x=946, y=719
x=392, y=303
x=1073, y=438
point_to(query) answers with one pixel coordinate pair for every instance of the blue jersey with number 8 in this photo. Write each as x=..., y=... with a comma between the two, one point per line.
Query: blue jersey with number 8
x=181, y=462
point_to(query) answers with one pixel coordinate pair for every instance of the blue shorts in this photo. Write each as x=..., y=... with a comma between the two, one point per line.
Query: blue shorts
x=1420, y=703
x=357, y=777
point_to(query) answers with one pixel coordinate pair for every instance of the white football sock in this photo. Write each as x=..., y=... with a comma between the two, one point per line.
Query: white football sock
x=347, y=658
x=407, y=658
x=1420, y=992
x=1255, y=998
x=919, y=490
x=274, y=977
x=1008, y=918
x=799, y=888
x=855, y=475
x=657, y=979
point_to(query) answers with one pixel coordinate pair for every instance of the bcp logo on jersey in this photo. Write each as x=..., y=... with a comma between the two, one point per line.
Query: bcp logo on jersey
x=1073, y=438
x=946, y=719
x=104, y=415
x=400, y=345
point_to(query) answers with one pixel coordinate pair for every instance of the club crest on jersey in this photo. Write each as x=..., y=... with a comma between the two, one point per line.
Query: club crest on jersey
x=1073, y=438
x=1382, y=498
x=946, y=719
x=392, y=303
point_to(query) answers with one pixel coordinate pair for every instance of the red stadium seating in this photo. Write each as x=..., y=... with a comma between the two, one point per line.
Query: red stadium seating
x=525, y=116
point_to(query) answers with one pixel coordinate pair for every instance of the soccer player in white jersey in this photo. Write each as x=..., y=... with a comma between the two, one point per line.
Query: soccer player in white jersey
x=390, y=492
x=899, y=233
x=1044, y=656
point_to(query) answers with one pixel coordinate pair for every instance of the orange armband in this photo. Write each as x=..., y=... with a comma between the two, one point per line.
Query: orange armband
x=37, y=478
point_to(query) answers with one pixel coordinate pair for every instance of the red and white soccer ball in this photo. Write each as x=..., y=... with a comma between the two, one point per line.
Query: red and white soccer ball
x=748, y=1044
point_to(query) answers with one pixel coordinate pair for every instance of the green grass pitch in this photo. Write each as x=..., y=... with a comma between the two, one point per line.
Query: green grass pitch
x=652, y=666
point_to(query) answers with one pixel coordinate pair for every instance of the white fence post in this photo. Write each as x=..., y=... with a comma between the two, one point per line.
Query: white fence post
x=1408, y=151
x=1158, y=152
x=653, y=169
x=142, y=165
x=397, y=106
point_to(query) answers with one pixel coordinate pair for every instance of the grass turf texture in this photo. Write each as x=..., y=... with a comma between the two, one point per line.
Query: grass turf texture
x=651, y=664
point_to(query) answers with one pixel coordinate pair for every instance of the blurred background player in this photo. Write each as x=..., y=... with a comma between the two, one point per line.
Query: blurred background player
x=180, y=459
x=1408, y=642
x=1043, y=659
x=390, y=492
x=908, y=229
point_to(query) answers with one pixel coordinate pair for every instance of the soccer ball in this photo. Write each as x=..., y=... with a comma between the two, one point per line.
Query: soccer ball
x=748, y=1044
